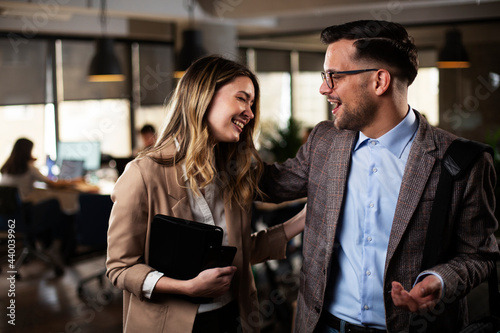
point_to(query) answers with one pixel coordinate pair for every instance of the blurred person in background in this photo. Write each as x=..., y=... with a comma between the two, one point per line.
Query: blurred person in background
x=45, y=218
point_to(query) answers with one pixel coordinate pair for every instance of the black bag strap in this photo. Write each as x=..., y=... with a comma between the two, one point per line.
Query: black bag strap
x=456, y=161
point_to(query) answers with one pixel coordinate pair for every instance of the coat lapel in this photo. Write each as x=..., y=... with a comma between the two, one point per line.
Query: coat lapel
x=176, y=187
x=417, y=172
x=234, y=223
x=339, y=157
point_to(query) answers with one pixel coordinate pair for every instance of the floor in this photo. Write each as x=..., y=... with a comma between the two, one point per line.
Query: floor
x=46, y=303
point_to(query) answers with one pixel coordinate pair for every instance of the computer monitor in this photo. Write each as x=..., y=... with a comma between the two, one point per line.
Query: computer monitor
x=87, y=151
x=71, y=169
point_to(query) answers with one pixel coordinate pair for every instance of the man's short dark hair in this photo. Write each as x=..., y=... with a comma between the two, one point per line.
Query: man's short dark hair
x=382, y=41
x=147, y=129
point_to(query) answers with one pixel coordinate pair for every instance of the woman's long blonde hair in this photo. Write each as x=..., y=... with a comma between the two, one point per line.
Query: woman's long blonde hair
x=236, y=167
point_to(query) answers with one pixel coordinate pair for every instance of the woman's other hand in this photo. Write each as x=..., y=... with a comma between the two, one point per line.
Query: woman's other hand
x=212, y=282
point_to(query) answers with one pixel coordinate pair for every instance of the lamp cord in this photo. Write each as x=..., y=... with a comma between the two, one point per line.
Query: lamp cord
x=103, y=17
x=189, y=4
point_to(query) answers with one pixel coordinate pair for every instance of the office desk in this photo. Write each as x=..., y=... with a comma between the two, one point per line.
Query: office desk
x=67, y=197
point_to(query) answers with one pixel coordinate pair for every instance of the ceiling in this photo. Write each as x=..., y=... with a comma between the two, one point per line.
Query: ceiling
x=297, y=23
x=273, y=23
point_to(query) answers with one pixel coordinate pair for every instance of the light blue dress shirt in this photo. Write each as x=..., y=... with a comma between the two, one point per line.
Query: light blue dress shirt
x=355, y=291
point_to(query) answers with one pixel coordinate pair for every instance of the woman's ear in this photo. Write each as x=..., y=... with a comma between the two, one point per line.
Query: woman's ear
x=382, y=81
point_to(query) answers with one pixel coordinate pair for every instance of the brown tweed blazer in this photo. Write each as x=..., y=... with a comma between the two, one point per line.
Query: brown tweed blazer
x=319, y=171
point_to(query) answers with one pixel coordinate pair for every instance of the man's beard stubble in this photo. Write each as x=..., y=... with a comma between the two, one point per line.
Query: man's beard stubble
x=357, y=117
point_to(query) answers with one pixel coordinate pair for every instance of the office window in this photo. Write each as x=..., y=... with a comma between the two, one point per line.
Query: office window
x=272, y=61
x=87, y=111
x=309, y=106
x=31, y=122
x=156, y=83
x=76, y=58
x=94, y=111
x=153, y=115
x=156, y=72
x=106, y=121
x=290, y=87
x=423, y=94
x=273, y=72
x=275, y=106
x=24, y=90
x=23, y=68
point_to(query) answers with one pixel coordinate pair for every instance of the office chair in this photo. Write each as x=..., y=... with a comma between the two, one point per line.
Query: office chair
x=16, y=216
x=91, y=226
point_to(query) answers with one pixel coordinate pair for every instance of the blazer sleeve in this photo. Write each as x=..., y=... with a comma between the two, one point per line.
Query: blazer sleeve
x=128, y=226
x=476, y=246
x=268, y=244
x=288, y=180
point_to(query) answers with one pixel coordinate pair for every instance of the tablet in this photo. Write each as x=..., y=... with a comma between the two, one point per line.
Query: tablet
x=219, y=256
x=178, y=247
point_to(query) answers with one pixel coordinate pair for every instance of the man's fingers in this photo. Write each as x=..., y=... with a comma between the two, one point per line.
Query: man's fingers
x=400, y=297
x=403, y=298
x=429, y=287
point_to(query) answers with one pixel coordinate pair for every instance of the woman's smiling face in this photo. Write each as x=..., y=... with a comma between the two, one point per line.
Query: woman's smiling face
x=230, y=110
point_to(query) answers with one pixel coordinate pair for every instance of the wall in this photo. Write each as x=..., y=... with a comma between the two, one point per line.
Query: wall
x=469, y=99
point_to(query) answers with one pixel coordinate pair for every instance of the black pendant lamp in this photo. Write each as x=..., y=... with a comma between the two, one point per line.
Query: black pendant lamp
x=453, y=54
x=105, y=66
x=192, y=45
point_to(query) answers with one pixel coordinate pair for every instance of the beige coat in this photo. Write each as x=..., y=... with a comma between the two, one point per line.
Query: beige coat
x=144, y=190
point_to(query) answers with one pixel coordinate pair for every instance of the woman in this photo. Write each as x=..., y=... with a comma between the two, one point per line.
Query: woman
x=203, y=167
x=19, y=170
x=47, y=222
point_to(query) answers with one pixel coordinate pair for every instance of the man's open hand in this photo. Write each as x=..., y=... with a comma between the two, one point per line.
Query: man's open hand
x=423, y=296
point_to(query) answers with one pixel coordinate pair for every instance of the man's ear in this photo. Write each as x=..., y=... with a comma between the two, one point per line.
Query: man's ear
x=382, y=81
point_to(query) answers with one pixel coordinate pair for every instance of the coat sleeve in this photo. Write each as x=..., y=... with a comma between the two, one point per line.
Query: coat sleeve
x=268, y=244
x=475, y=243
x=281, y=182
x=288, y=180
x=128, y=226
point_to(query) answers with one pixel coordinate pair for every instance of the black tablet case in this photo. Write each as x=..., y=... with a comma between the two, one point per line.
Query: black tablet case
x=178, y=247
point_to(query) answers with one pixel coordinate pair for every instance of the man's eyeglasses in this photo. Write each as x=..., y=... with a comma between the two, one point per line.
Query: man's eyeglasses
x=328, y=76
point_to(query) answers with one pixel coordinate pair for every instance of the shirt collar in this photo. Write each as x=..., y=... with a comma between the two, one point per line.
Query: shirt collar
x=397, y=138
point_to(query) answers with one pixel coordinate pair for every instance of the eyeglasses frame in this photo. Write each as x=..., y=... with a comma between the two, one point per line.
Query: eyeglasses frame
x=330, y=74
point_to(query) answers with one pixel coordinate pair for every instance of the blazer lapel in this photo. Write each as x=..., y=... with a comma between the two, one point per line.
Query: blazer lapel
x=175, y=182
x=339, y=157
x=177, y=194
x=234, y=223
x=417, y=172
x=235, y=228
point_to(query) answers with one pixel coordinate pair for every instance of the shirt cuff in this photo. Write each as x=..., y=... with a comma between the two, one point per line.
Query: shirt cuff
x=421, y=276
x=150, y=282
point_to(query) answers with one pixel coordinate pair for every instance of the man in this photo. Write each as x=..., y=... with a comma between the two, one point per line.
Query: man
x=148, y=135
x=148, y=138
x=370, y=177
